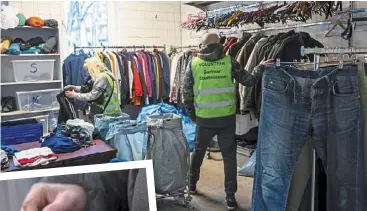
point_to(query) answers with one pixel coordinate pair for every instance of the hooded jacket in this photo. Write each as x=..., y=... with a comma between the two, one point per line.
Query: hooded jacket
x=122, y=190
x=212, y=52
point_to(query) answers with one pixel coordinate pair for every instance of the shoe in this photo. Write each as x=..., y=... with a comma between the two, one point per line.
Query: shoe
x=231, y=202
x=192, y=189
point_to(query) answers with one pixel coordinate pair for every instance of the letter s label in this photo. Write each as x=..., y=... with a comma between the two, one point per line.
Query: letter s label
x=33, y=68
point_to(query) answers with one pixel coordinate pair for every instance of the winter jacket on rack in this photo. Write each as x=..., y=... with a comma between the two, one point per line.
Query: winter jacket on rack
x=236, y=47
x=75, y=74
x=287, y=50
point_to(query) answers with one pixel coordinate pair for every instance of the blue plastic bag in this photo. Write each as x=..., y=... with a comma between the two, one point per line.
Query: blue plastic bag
x=189, y=129
x=248, y=169
x=157, y=109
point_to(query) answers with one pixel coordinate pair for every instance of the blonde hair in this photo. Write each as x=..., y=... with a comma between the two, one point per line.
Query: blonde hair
x=94, y=67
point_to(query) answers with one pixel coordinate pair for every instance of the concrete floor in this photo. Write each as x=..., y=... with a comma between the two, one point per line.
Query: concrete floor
x=210, y=189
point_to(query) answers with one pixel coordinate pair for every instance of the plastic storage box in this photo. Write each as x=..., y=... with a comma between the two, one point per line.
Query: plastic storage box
x=43, y=119
x=33, y=70
x=38, y=100
x=19, y=134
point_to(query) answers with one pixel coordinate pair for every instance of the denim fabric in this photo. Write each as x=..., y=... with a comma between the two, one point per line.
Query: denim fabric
x=129, y=137
x=322, y=106
x=363, y=90
x=102, y=122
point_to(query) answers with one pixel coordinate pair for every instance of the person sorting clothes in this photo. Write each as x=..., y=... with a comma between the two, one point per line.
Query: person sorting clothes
x=209, y=99
x=122, y=190
x=100, y=91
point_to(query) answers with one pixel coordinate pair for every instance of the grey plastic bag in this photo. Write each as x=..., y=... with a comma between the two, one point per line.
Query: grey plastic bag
x=169, y=152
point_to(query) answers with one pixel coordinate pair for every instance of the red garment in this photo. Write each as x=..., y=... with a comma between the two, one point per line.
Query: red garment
x=25, y=161
x=138, y=88
x=230, y=43
x=143, y=61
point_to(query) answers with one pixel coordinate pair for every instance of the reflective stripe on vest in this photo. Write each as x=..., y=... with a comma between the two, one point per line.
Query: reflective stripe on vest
x=214, y=90
x=215, y=105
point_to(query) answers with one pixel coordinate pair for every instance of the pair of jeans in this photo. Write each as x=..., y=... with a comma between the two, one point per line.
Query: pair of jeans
x=129, y=137
x=102, y=122
x=322, y=106
x=228, y=148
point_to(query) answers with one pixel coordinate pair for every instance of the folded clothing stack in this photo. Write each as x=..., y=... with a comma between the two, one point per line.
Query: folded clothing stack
x=4, y=159
x=34, y=157
x=34, y=45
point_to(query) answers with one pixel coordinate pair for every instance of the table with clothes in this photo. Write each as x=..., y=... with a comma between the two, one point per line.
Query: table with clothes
x=98, y=153
x=75, y=142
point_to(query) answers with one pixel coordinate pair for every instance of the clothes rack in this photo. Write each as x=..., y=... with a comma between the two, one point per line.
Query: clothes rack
x=129, y=46
x=336, y=50
x=286, y=27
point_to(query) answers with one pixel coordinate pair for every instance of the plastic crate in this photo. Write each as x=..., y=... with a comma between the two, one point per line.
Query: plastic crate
x=33, y=70
x=20, y=134
x=38, y=100
x=43, y=119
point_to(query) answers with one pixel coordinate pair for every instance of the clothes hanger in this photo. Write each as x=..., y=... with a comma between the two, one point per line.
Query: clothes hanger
x=337, y=22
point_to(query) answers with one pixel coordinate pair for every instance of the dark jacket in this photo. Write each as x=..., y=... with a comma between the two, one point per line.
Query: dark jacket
x=212, y=52
x=286, y=48
x=123, y=190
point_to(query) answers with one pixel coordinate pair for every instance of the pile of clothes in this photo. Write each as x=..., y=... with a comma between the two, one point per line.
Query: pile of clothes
x=7, y=152
x=70, y=137
x=34, y=45
x=10, y=18
x=4, y=159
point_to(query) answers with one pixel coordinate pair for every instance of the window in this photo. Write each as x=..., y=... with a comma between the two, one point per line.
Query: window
x=87, y=24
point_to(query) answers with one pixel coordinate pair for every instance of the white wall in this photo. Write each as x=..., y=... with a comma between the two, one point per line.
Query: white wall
x=146, y=23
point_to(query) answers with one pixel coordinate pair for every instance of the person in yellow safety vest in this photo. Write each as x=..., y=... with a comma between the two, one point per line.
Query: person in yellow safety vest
x=103, y=96
x=209, y=99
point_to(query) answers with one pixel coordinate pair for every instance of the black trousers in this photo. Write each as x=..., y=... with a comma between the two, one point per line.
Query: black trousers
x=228, y=148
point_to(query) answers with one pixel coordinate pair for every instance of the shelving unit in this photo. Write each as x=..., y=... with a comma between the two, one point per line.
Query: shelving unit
x=9, y=86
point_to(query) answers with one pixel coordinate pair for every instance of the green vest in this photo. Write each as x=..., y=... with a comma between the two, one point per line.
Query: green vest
x=112, y=106
x=214, y=89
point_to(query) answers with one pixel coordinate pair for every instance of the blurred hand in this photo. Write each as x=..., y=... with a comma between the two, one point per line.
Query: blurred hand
x=70, y=94
x=55, y=197
x=267, y=62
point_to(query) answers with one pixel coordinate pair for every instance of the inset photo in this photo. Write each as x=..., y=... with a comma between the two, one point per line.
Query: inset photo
x=125, y=186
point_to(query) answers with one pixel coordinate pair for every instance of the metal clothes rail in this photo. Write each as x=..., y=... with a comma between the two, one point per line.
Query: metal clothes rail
x=286, y=27
x=129, y=46
x=336, y=50
x=186, y=46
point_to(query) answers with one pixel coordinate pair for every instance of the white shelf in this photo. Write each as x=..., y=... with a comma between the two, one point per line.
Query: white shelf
x=16, y=113
x=30, y=82
x=28, y=55
x=34, y=28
